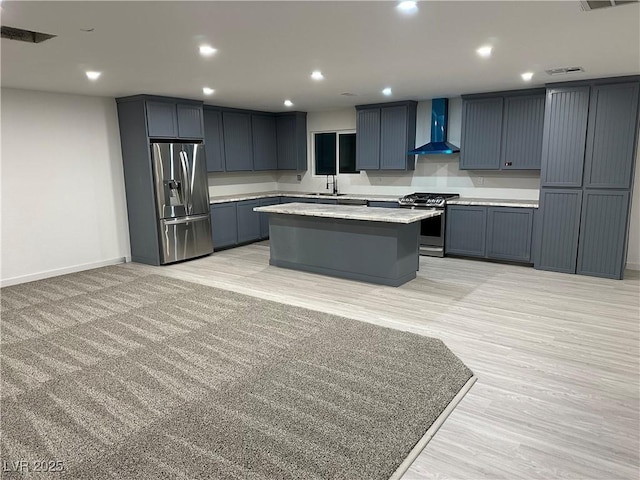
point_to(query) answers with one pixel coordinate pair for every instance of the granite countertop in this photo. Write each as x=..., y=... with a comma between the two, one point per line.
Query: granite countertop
x=347, y=196
x=493, y=202
x=349, y=212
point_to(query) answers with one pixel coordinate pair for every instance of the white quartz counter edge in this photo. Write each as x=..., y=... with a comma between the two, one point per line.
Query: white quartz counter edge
x=349, y=212
x=494, y=202
x=252, y=196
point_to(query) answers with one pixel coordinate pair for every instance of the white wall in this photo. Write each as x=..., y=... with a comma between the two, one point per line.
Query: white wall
x=433, y=173
x=633, y=252
x=63, y=200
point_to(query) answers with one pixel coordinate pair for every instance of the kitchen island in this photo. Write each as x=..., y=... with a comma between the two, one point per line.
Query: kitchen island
x=376, y=245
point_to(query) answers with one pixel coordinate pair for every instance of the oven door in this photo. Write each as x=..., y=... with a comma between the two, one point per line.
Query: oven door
x=432, y=235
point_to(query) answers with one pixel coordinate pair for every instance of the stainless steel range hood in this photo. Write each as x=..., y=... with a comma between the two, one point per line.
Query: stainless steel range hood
x=439, y=120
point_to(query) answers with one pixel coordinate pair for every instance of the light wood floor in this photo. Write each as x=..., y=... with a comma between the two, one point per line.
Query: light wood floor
x=557, y=357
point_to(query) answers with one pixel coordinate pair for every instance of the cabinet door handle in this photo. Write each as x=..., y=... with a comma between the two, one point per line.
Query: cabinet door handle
x=508, y=164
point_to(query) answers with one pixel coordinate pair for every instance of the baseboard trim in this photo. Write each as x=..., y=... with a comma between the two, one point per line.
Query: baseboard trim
x=633, y=266
x=426, y=438
x=6, y=282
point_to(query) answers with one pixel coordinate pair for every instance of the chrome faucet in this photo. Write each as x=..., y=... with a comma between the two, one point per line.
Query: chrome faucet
x=334, y=184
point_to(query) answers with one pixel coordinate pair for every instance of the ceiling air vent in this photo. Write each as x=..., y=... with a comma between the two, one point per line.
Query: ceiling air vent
x=564, y=70
x=597, y=4
x=24, y=35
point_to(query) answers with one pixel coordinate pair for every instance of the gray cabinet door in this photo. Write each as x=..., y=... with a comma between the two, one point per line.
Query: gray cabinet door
x=466, y=230
x=189, y=121
x=611, y=136
x=558, y=229
x=291, y=135
x=224, y=225
x=383, y=204
x=565, y=130
x=248, y=221
x=297, y=200
x=603, y=233
x=509, y=233
x=264, y=217
x=213, y=139
x=161, y=120
x=238, y=143
x=522, y=132
x=265, y=154
x=368, y=139
x=481, y=134
x=393, y=138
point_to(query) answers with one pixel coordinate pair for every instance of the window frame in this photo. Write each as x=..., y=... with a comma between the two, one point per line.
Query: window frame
x=348, y=131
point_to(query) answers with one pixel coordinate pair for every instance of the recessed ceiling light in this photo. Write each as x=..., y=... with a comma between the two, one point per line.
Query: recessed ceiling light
x=207, y=90
x=207, y=50
x=317, y=75
x=386, y=91
x=407, y=7
x=485, y=51
x=288, y=103
x=527, y=76
x=93, y=75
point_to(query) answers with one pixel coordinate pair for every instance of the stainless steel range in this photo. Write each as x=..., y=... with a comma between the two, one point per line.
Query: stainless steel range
x=432, y=230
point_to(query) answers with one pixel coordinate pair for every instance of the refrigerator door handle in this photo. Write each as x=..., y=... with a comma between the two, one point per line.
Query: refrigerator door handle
x=186, y=191
x=191, y=218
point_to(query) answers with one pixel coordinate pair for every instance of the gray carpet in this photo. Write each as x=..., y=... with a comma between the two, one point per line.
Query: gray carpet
x=119, y=374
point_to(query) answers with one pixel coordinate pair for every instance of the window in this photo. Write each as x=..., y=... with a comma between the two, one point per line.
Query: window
x=335, y=152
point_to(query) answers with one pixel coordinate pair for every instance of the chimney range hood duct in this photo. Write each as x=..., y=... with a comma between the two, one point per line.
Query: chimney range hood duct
x=439, y=119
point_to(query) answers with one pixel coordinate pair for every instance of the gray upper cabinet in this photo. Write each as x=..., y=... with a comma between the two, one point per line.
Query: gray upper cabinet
x=162, y=120
x=189, y=121
x=214, y=140
x=238, y=142
x=603, y=233
x=481, y=134
x=291, y=135
x=174, y=120
x=248, y=221
x=466, y=230
x=384, y=135
x=558, y=229
x=522, y=132
x=565, y=131
x=264, y=142
x=368, y=139
x=612, y=126
x=509, y=233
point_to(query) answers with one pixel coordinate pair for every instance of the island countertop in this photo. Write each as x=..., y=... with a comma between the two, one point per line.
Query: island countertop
x=350, y=212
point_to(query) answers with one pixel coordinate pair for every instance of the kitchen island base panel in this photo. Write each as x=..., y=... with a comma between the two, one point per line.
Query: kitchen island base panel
x=374, y=252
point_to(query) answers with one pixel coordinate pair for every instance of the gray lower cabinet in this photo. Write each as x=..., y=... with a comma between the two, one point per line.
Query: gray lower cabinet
x=264, y=217
x=297, y=200
x=509, y=233
x=603, y=233
x=238, y=142
x=327, y=201
x=466, y=228
x=248, y=221
x=383, y=204
x=224, y=225
x=558, y=229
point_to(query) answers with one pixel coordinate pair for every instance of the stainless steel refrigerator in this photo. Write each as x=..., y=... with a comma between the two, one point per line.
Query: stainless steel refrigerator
x=182, y=200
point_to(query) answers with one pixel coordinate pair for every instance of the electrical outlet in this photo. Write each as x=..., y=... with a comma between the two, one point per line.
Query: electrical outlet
x=299, y=177
x=479, y=180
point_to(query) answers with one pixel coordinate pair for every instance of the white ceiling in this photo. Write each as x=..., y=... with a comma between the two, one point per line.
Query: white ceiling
x=267, y=50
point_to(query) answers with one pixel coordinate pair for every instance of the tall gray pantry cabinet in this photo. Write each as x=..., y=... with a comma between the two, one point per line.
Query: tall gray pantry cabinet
x=145, y=119
x=588, y=155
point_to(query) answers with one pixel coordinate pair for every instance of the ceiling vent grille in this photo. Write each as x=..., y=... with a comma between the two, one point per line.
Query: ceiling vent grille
x=24, y=35
x=597, y=4
x=564, y=70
